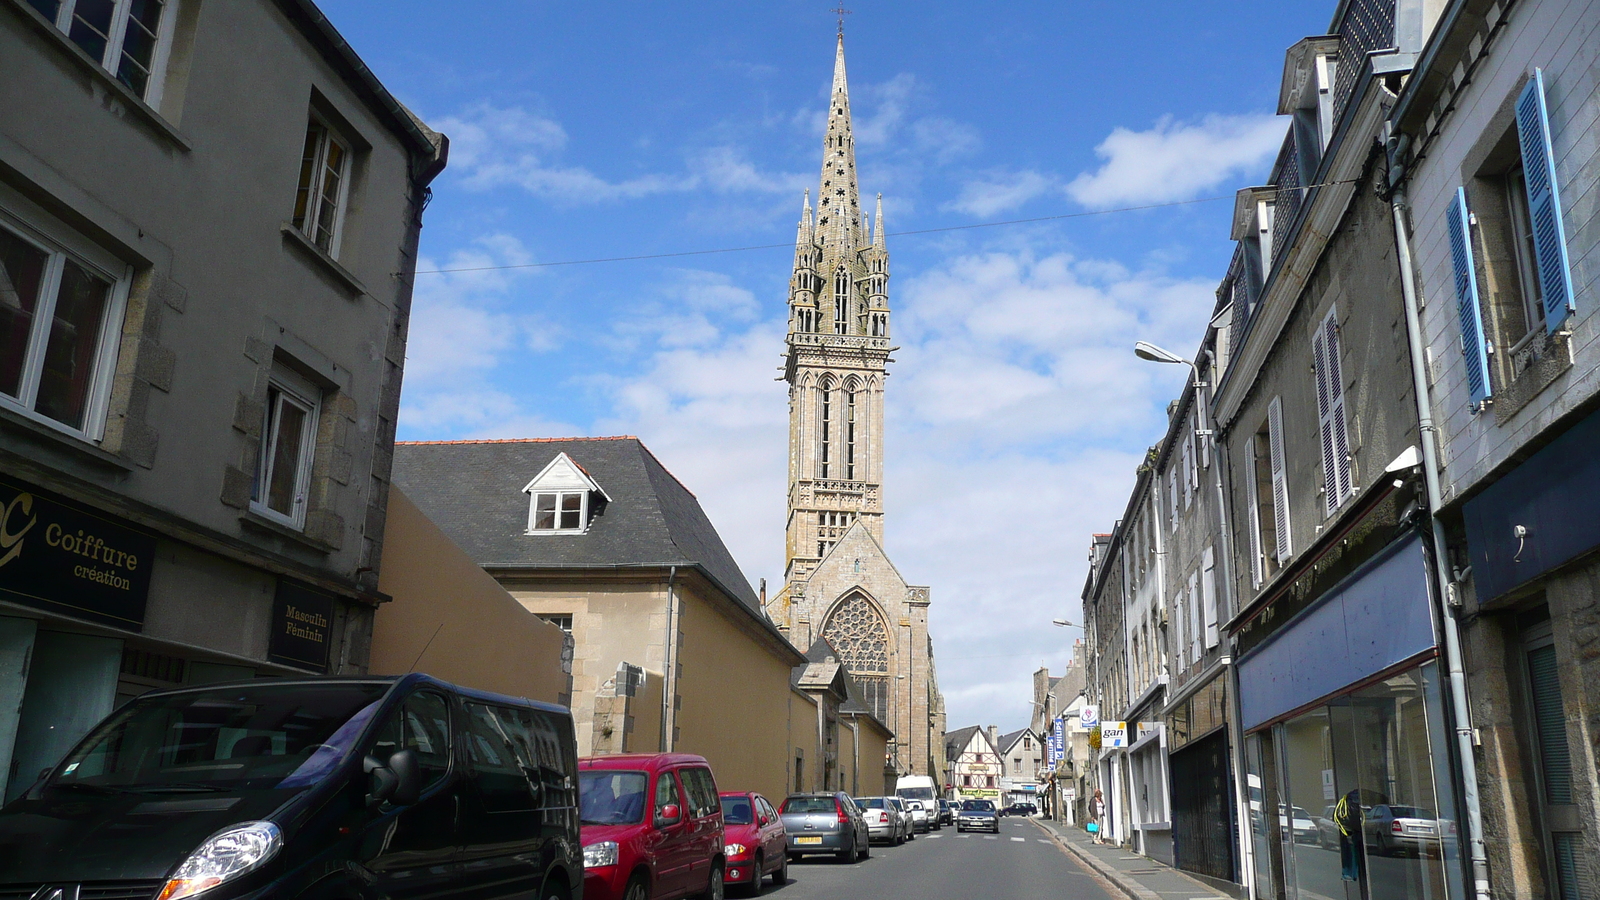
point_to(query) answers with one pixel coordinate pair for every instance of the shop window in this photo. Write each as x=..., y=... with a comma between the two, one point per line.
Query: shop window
x=60, y=311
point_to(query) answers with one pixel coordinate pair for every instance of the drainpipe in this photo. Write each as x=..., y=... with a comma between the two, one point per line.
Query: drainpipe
x=669, y=683
x=1430, y=472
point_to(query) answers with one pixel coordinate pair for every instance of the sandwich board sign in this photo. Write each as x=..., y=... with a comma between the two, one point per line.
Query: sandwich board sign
x=1113, y=734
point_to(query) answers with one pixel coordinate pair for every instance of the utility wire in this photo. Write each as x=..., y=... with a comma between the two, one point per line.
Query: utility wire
x=681, y=253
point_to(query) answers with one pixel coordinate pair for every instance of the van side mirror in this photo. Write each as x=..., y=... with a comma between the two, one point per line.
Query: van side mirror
x=399, y=782
x=669, y=814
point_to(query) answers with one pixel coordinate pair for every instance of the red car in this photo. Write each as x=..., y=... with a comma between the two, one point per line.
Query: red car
x=756, y=842
x=651, y=827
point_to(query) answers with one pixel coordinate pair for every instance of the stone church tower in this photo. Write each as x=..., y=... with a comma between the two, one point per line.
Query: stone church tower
x=839, y=583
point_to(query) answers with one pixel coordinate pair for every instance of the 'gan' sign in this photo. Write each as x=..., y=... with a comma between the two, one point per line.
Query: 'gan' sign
x=63, y=558
x=302, y=626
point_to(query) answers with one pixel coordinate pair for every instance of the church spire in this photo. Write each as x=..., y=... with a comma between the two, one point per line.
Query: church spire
x=877, y=226
x=839, y=200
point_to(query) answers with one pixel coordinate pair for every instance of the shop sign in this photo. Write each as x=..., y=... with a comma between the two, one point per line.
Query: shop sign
x=64, y=558
x=1089, y=716
x=302, y=626
x=1113, y=734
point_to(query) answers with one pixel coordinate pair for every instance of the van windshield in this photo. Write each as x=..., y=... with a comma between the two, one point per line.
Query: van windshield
x=610, y=797
x=242, y=737
x=916, y=793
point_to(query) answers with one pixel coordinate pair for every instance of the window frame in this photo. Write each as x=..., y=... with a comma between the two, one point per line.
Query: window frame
x=1524, y=252
x=319, y=171
x=60, y=245
x=560, y=495
x=292, y=386
x=159, y=56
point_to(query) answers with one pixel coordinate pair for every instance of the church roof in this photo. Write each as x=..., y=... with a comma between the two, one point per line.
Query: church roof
x=473, y=490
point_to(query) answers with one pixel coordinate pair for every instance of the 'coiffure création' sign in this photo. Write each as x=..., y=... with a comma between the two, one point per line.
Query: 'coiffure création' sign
x=64, y=558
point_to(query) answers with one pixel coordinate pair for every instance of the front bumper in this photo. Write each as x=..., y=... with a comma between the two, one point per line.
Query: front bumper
x=736, y=871
x=604, y=883
x=965, y=824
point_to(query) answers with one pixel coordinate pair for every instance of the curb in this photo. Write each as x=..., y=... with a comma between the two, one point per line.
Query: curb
x=1133, y=889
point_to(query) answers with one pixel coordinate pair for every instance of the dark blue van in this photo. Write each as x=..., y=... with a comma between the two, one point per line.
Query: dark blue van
x=396, y=788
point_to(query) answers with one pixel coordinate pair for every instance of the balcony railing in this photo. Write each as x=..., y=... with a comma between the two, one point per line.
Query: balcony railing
x=1367, y=25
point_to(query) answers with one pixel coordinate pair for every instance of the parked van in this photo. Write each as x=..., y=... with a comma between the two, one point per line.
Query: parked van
x=652, y=827
x=394, y=788
x=920, y=787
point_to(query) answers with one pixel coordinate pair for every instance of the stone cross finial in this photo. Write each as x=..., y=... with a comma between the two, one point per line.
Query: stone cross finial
x=841, y=12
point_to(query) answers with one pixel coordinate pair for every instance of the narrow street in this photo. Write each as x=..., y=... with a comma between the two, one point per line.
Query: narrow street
x=1021, y=862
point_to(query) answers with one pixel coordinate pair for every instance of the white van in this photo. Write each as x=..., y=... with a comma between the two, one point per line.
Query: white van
x=920, y=788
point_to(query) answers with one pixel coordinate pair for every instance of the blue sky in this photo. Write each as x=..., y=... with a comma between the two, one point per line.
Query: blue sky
x=1017, y=411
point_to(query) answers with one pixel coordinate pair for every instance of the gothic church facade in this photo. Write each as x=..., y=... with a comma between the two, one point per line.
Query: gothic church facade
x=839, y=583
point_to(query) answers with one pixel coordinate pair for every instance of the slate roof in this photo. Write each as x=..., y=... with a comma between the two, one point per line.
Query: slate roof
x=1007, y=740
x=473, y=491
x=956, y=741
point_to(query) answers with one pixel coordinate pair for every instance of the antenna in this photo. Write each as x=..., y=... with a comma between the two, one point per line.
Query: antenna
x=841, y=12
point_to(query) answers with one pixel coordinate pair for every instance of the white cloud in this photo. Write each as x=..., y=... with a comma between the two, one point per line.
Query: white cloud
x=493, y=147
x=1000, y=191
x=1017, y=414
x=1174, y=161
x=462, y=331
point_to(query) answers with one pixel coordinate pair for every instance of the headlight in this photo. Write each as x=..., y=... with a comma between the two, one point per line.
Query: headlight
x=224, y=856
x=735, y=849
x=602, y=854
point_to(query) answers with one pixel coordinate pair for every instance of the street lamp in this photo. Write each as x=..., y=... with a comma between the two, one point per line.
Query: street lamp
x=1148, y=351
x=1064, y=623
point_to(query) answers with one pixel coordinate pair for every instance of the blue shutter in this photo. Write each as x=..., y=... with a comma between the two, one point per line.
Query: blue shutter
x=1472, y=342
x=1544, y=203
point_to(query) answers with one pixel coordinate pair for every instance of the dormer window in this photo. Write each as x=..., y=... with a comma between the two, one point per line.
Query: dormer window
x=563, y=499
x=565, y=511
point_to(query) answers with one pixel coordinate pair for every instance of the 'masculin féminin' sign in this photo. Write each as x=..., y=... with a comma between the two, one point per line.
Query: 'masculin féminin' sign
x=302, y=626
x=61, y=557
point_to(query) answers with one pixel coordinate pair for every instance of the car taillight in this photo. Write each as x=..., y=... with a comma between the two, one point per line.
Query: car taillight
x=883, y=817
x=1396, y=828
x=839, y=808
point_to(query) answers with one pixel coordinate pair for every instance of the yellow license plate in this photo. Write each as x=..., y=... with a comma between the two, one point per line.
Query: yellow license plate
x=807, y=840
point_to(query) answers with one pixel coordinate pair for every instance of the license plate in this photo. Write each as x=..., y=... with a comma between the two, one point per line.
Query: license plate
x=808, y=840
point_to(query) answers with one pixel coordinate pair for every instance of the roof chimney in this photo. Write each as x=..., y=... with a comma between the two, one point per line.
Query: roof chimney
x=994, y=738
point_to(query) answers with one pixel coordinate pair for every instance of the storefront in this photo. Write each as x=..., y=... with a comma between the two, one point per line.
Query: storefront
x=1347, y=750
x=96, y=609
x=1204, y=818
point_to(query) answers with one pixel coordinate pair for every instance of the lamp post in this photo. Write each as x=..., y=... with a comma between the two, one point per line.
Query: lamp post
x=1064, y=623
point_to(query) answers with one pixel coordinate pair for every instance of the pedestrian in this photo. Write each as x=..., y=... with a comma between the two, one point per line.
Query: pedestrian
x=1097, y=816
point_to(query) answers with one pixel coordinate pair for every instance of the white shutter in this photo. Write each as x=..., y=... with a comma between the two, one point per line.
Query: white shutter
x=1188, y=466
x=1178, y=625
x=1191, y=463
x=1208, y=584
x=1204, y=443
x=1195, y=633
x=1172, y=497
x=1331, y=427
x=1253, y=513
x=1280, y=479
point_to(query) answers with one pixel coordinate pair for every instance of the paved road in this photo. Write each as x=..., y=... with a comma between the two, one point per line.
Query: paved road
x=1021, y=863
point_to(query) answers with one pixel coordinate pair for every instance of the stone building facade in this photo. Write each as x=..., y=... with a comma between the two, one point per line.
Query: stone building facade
x=839, y=583
x=1496, y=170
x=208, y=225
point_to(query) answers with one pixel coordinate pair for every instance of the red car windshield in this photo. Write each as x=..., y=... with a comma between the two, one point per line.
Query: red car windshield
x=736, y=811
x=608, y=797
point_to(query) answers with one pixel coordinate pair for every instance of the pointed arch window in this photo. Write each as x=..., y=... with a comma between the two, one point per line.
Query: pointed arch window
x=857, y=632
x=825, y=423
x=850, y=433
x=841, y=301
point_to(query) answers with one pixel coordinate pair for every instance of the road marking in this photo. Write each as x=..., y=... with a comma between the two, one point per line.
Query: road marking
x=1020, y=840
x=963, y=836
x=991, y=837
x=934, y=837
x=1044, y=841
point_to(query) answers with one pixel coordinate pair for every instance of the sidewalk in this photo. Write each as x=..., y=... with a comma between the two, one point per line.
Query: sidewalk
x=1139, y=877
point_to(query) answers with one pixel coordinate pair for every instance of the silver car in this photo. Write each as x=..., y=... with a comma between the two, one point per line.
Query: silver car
x=887, y=821
x=825, y=823
x=923, y=818
x=905, y=816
